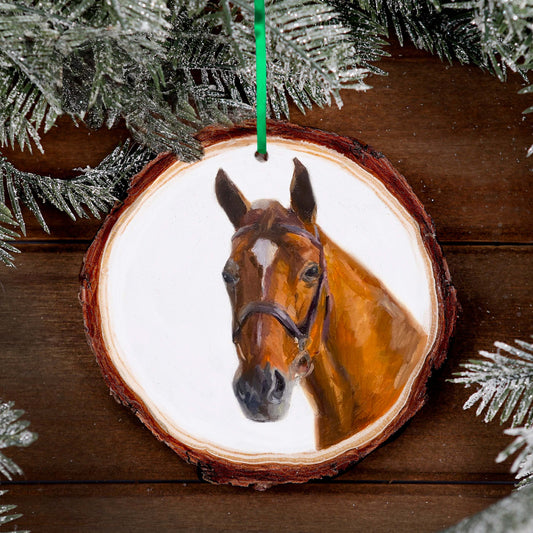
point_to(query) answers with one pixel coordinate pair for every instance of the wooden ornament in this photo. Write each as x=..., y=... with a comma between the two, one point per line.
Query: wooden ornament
x=274, y=321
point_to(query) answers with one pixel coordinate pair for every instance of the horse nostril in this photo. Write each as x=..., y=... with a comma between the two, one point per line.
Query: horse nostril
x=279, y=387
x=240, y=389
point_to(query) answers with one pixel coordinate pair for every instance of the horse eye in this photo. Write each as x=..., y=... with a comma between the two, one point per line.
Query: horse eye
x=311, y=273
x=229, y=278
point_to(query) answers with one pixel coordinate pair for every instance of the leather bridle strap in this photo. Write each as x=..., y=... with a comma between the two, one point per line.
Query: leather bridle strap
x=288, y=228
x=273, y=309
x=299, y=333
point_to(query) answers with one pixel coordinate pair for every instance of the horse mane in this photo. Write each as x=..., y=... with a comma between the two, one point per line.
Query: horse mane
x=371, y=342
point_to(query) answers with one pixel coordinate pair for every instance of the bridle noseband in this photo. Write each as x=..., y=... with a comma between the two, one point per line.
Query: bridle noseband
x=300, y=332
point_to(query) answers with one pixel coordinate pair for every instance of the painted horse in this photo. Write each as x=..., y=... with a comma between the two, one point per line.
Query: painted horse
x=306, y=311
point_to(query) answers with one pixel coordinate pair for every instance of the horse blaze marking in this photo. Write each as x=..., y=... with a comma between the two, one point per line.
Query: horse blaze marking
x=362, y=358
x=264, y=251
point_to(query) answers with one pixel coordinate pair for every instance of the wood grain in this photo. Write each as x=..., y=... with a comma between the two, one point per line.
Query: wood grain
x=198, y=507
x=219, y=467
x=457, y=134
x=85, y=435
x=459, y=137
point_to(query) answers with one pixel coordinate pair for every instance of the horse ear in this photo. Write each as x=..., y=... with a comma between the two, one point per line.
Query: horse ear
x=302, y=197
x=230, y=198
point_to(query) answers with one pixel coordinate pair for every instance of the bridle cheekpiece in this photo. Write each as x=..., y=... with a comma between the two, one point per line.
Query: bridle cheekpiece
x=300, y=332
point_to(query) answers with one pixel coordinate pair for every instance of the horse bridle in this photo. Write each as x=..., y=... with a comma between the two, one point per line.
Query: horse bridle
x=300, y=332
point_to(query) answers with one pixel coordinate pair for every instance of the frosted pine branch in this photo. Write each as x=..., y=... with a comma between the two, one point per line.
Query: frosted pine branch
x=311, y=53
x=94, y=190
x=56, y=57
x=7, y=234
x=439, y=27
x=511, y=514
x=6, y=518
x=505, y=383
x=505, y=27
x=168, y=70
x=13, y=432
x=523, y=464
x=492, y=34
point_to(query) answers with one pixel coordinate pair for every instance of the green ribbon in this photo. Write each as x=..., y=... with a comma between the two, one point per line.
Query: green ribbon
x=260, y=74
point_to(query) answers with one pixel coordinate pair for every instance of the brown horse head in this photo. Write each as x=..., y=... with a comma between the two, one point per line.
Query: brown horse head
x=276, y=281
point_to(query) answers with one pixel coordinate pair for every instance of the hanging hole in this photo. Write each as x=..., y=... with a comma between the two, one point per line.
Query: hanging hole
x=261, y=157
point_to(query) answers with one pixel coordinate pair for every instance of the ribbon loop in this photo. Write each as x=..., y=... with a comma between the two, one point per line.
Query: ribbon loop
x=260, y=77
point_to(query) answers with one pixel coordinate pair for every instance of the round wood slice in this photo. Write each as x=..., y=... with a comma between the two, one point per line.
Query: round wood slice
x=316, y=343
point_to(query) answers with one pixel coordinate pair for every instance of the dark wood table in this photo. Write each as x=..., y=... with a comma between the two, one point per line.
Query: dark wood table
x=459, y=137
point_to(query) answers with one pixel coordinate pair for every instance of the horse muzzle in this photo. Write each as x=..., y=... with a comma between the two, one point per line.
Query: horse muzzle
x=263, y=393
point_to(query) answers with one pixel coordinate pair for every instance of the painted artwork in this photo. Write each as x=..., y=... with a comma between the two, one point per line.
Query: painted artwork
x=269, y=320
x=306, y=312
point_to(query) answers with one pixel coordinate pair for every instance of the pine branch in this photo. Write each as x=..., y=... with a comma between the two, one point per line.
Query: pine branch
x=511, y=514
x=428, y=24
x=212, y=57
x=523, y=464
x=492, y=34
x=7, y=234
x=167, y=71
x=506, y=383
x=52, y=49
x=95, y=189
x=23, y=110
x=505, y=29
x=13, y=432
x=5, y=519
x=306, y=61
x=205, y=69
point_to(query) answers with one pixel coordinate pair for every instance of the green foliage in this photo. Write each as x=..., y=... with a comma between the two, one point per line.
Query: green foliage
x=7, y=234
x=169, y=68
x=6, y=518
x=94, y=60
x=308, y=62
x=166, y=70
x=523, y=464
x=506, y=387
x=511, y=514
x=94, y=189
x=505, y=29
x=505, y=383
x=428, y=24
x=495, y=35
x=13, y=432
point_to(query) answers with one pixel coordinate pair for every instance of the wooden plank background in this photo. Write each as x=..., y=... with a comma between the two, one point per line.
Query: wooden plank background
x=459, y=137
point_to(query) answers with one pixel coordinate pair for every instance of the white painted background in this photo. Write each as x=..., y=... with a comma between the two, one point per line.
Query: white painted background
x=168, y=306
